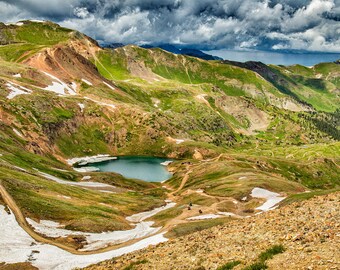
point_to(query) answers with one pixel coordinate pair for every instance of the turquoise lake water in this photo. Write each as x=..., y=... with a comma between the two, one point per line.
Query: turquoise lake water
x=148, y=169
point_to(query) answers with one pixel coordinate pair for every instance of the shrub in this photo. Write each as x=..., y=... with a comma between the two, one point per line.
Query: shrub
x=229, y=265
x=270, y=252
x=257, y=266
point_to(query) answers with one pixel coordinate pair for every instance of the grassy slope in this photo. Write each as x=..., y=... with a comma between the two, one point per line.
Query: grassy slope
x=292, y=168
x=316, y=85
x=82, y=209
x=29, y=38
x=140, y=127
x=188, y=78
x=183, y=69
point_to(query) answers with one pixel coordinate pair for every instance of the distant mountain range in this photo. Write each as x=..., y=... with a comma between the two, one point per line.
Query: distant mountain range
x=184, y=51
x=173, y=49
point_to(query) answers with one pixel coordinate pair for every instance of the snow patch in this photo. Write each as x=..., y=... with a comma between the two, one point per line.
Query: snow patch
x=51, y=228
x=207, y=216
x=79, y=184
x=16, y=90
x=144, y=215
x=74, y=86
x=86, y=169
x=64, y=197
x=18, y=133
x=87, y=177
x=110, y=86
x=101, y=103
x=19, y=168
x=58, y=86
x=17, y=75
x=228, y=214
x=101, y=240
x=81, y=106
x=87, y=82
x=92, y=159
x=272, y=198
x=166, y=163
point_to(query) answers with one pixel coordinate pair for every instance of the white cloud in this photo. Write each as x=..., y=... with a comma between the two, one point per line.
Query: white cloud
x=209, y=24
x=81, y=12
x=308, y=16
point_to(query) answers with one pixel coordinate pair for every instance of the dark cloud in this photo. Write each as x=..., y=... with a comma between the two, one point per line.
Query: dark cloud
x=206, y=24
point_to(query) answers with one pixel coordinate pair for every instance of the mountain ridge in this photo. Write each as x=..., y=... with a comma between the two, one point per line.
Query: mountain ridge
x=183, y=50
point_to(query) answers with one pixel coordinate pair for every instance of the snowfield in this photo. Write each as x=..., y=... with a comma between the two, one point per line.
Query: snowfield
x=271, y=198
x=18, y=246
x=86, y=169
x=59, y=87
x=78, y=184
x=96, y=241
x=16, y=90
x=92, y=159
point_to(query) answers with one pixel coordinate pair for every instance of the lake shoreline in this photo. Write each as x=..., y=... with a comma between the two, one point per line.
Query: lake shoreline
x=145, y=168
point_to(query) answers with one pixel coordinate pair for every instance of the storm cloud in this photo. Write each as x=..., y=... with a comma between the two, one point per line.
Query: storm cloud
x=205, y=24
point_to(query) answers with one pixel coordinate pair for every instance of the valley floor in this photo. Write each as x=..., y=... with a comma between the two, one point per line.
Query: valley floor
x=309, y=231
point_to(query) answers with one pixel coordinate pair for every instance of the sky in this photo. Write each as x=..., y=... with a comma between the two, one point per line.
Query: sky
x=203, y=24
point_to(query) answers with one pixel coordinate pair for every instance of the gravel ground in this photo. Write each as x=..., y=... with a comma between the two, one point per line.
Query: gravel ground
x=309, y=231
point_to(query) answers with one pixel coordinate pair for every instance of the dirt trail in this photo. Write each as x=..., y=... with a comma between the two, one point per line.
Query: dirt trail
x=9, y=201
x=184, y=181
x=23, y=223
x=195, y=209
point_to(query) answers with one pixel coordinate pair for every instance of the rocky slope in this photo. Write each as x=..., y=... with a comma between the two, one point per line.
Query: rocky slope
x=309, y=232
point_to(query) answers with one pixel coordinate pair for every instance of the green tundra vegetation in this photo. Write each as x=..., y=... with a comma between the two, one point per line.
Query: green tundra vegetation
x=275, y=127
